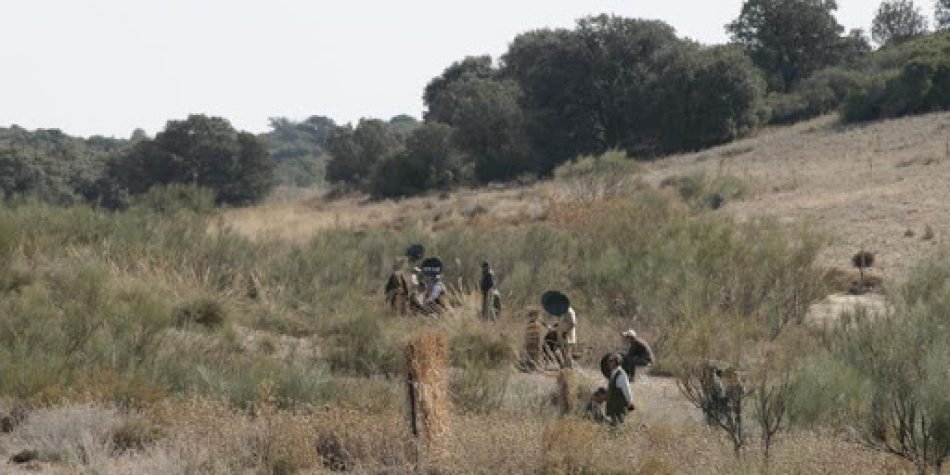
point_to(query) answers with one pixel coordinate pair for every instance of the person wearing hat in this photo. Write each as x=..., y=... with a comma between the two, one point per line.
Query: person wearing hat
x=639, y=353
x=567, y=334
x=487, y=286
x=619, y=396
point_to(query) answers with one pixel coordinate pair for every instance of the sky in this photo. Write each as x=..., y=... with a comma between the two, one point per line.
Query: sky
x=106, y=67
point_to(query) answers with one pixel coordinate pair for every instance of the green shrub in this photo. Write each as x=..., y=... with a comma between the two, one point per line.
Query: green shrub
x=592, y=178
x=821, y=93
x=361, y=348
x=176, y=198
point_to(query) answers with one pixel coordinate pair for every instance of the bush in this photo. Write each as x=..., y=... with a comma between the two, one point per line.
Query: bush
x=479, y=390
x=921, y=86
x=823, y=92
x=593, y=178
x=362, y=349
x=176, y=198
x=892, y=365
x=203, y=311
x=701, y=192
x=471, y=348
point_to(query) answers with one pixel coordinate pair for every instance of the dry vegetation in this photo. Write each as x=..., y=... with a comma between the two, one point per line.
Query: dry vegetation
x=256, y=340
x=866, y=184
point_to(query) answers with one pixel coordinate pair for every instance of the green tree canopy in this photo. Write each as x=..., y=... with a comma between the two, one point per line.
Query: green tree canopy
x=354, y=151
x=489, y=126
x=897, y=21
x=202, y=150
x=470, y=67
x=942, y=14
x=428, y=161
x=788, y=39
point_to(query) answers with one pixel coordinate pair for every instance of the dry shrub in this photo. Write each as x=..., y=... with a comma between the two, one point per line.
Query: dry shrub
x=573, y=446
x=136, y=433
x=80, y=434
x=479, y=390
x=847, y=280
x=205, y=311
x=212, y=437
x=283, y=442
x=567, y=391
x=580, y=217
x=476, y=345
x=427, y=358
x=357, y=440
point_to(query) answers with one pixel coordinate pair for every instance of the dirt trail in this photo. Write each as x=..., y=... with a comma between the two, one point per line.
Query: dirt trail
x=657, y=398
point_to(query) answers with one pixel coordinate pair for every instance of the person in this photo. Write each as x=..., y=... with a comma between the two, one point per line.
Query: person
x=619, y=397
x=567, y=337
x=435, y=302
x=398, y=289
x=639, y=354
x=534, y=340
x=417, y=290
x=487, y=286
x=717, y=406
x=595, y=407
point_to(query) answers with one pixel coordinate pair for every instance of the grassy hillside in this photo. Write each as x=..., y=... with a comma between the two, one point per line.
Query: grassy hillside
x=159, y=339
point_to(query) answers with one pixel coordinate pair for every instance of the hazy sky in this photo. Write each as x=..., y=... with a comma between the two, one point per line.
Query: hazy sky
x=109, y=66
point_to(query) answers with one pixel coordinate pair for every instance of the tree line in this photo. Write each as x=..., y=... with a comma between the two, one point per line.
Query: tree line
x=608, y=83
x=634, y=85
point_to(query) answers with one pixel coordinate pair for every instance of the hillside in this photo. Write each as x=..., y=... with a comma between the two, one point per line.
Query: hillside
x=864, y=185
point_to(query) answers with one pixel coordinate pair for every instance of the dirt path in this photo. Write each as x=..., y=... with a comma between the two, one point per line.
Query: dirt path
x=657, y=398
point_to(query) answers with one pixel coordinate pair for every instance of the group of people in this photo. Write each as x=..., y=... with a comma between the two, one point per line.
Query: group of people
x=611, y=404
x=412, y=291
x=415, y=288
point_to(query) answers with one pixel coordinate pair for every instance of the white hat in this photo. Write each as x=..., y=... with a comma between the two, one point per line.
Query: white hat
x=629, y=333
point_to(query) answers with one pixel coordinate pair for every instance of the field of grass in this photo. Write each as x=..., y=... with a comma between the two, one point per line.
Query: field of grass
x=172, y=338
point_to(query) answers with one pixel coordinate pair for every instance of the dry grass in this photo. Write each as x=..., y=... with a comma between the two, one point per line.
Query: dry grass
x=865, y=184
x=427, y=361
x=298, y=220
x=204, y=436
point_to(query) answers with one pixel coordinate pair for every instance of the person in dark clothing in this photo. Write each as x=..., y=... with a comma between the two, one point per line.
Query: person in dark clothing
x=639, y=354
x=398, y=289
x=490, y=298
x=619, y=397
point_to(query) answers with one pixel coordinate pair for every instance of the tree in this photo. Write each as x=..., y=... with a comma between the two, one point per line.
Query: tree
x=897, y=21
x=788, y=39
x=942, y=14
x=470, y=67
x=585, y=90
x=404, y=124
x=709, y=96
x=201, y=150
x=429, y=161
x=299, y=149
x=354, y=151
x=489, y=126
